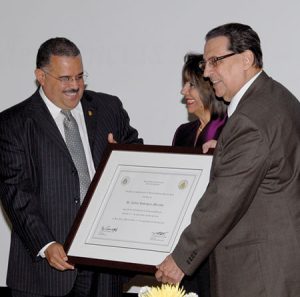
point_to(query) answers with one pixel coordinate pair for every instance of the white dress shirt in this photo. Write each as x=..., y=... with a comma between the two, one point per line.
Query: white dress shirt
x=58, y=117
x=237, y=97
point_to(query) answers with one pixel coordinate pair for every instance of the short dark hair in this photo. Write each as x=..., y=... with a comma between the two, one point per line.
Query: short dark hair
x=241, y=38
x=193, y=73
x=58, y=46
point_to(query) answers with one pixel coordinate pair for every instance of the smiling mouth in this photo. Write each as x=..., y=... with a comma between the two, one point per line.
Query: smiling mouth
x=189, y=101
x=214, y=82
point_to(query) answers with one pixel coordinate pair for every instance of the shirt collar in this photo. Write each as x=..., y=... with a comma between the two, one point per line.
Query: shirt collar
x=238, y=96
x=54, y=109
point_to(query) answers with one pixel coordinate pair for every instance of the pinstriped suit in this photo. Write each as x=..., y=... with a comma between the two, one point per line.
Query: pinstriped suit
x=39, y=184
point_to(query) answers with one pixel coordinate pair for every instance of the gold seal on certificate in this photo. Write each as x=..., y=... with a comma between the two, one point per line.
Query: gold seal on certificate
x=125, y=180
x=183, y=184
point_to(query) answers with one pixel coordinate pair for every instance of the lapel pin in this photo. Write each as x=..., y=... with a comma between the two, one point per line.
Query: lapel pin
x=90, y=113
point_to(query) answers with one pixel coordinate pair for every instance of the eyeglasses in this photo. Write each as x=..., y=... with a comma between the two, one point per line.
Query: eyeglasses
x=66, y=79
x=213, y=61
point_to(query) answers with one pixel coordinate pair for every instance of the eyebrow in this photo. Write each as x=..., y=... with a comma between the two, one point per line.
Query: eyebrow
x=81, y=73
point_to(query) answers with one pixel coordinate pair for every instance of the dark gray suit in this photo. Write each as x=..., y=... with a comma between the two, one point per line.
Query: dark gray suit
x=249, y=216
x=39, y=184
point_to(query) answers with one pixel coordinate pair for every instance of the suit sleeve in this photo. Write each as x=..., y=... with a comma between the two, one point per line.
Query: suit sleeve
x=240, y=163
x=18, y=187
x=125, y=132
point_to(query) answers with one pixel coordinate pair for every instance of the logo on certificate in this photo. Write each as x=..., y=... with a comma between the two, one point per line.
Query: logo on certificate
x=183, y=184
x=125, y=180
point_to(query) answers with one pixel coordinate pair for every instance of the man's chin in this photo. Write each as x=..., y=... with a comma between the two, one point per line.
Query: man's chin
x=70, y=104
x=219, y=93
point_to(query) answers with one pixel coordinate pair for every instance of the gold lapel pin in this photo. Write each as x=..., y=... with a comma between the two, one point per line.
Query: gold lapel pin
x=90, y=113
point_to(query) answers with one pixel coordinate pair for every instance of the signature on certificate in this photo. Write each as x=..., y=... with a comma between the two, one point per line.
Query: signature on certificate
x=159, y=235
x=109, y=229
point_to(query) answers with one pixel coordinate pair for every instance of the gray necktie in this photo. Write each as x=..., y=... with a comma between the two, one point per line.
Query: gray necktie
x=75, y=146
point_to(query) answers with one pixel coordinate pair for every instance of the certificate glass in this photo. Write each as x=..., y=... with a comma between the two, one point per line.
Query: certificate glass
x=137, y=206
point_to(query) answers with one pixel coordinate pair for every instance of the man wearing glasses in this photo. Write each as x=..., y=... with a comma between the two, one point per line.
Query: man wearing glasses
x=248, y=220
x=50, y=145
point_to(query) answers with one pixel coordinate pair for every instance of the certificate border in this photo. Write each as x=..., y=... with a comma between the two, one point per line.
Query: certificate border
x=88, y=198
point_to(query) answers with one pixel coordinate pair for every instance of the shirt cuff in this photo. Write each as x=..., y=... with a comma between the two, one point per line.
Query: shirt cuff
x=42, y=251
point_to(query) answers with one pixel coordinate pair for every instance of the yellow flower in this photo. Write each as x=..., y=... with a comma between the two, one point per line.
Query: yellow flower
x=165, y=290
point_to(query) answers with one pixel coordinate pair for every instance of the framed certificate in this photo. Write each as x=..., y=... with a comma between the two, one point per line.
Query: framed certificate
x=138, y=204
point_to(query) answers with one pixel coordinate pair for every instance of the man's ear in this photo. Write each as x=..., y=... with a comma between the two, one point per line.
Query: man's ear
x=40, y=76
x=248, y=59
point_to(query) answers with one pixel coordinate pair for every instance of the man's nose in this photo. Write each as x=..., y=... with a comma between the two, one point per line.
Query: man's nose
x=207, y=71
x=74, y=82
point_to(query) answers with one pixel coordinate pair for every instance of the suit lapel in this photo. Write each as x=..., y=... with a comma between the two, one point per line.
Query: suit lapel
x=39, y=112
x=256, y=86
x=90, y=116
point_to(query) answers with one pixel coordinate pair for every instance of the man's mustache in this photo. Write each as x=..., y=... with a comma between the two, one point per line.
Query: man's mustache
x=71, y=90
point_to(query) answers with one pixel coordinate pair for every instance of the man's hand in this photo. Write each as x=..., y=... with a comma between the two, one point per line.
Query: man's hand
x=57, y=257
x=169, y=272
x=110, y=138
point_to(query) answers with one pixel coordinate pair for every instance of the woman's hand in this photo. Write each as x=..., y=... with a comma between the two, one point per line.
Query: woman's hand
x=210, y=144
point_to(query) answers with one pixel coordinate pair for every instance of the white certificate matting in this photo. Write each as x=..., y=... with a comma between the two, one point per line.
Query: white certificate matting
x=140, y=206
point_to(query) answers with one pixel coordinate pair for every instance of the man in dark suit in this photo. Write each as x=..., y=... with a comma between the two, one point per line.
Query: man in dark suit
x=40, y=183
x=248, y=219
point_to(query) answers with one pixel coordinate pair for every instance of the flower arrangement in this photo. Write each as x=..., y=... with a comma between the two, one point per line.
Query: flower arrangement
x=165, y=290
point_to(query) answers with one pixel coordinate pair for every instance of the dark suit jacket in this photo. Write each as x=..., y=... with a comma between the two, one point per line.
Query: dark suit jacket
x=39, y=184
x=249, y=216
x=185, y=134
